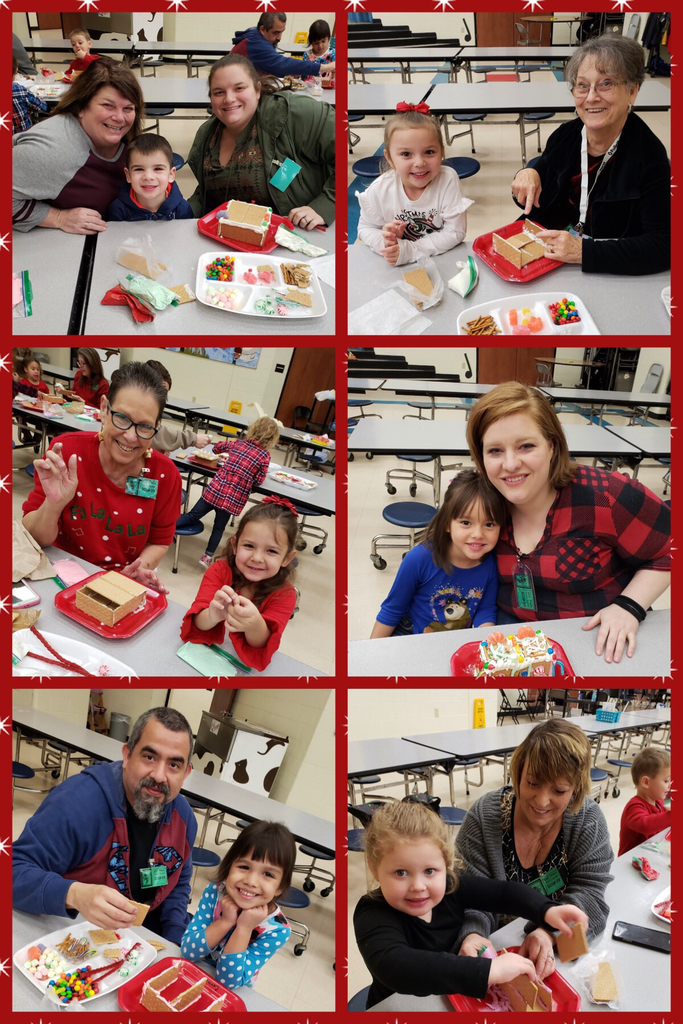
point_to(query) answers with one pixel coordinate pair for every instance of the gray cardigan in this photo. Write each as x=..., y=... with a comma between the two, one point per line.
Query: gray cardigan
x=589, y=853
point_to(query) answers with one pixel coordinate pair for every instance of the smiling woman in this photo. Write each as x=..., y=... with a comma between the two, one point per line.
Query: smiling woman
x=68, y=169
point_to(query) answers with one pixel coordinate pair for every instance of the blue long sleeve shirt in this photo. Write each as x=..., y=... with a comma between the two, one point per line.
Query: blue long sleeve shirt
x=266, y=59
x=429, y=594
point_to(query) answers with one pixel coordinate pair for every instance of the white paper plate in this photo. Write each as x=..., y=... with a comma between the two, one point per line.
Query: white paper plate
x=537, y=303
x=128, y=938
x=292, y=480
x=665, y=894
x=250, y=293
x=85, y=655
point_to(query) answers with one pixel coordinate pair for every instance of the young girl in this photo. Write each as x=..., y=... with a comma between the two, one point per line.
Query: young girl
x=415, y=208
x=89, y=383
x=33, y=375
x=229, y=491
x=450, y=581
x=238, y=924
x=408, y=930
x=249, y=589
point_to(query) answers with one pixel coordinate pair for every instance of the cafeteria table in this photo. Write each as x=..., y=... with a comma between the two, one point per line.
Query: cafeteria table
x=382, y=99
x=54, y=287
x=57, y=373
x=605, y=296
x=408, y=56
x=433, y=389
x=51, y=424
x=653, y=442
x=426, y=655
x=37, y=44
x=191, y=50
x=390, y=754
x=625, y=399
x=184, y=406
x=359, y=385
x=205, y=416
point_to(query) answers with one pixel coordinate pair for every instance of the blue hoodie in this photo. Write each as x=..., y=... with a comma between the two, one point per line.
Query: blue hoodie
x=80, y=833
x=174, y=207
x=265, y=58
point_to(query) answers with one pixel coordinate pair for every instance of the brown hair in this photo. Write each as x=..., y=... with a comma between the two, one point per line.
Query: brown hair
x=141, y=376
x=148, y=143
x=161, y=370
x=397, y=822
x=465, y=491
x=80, y=32
x=267, y=83
x=277, y=517
x=264, y=432
x=96, y=76
x=94, y=362
x=265, y=841
x=650, y=762
x=19, y=358
x=26, y=362
x=409, y=119
x=555, y=750
x=508, y=399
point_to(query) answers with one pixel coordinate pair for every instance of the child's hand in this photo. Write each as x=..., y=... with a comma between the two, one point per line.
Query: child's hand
x=563, y=915
x=229, y=911
x=242, y=614
x=391, y=254
x=252, y=918
x=393, y=230
x=509, y=966
x=472, y=943
x=221, y=603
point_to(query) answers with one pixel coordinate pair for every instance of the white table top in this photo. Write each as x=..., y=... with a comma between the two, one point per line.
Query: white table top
x=183, y=405
x=436, y=388
x=53, y=293
x=605, y=295
x=496, y=739
x=357, y=384
x=430, y=655
x=382, y=99
x=522, y=97
x=36, y=44
x=652, y=441
x=627, y=398
x=152, y=651
x=179, y=245
x=411, y=54
x=660, y=715
x=628, y=722
x=429, y=54
x=390, y=754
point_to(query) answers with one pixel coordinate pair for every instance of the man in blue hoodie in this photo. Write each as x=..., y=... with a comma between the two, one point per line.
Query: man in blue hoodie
x=150, y=192
x=84, y=848
x=258, y=45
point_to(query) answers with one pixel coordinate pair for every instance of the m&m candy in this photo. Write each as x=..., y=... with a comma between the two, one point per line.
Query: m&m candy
x=221, y=269
x=564, y=312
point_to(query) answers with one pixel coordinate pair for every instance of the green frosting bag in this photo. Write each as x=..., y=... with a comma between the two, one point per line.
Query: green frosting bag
x=152, y=294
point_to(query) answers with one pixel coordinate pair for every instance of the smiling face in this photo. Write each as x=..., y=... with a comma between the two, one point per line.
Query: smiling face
x=155, y=769
x=107, y=119
x=416, y=155
x=253, y=883
x=234, y=97
x=33, y=374
x=149, y=174
x=413, y=877
x=473, y=534
x=542, y=804
x=517, y=459
x=261, y=551
x=602, y=112
x=123, y=447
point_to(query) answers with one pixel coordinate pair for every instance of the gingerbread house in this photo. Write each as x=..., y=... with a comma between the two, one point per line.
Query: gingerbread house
x=170, y=992
x=110, y=597
x=207, y=459
x=527, y=996
x=521, y=248
x=245, y=222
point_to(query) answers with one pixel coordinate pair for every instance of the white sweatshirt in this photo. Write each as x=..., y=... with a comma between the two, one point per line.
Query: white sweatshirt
x=435, y=223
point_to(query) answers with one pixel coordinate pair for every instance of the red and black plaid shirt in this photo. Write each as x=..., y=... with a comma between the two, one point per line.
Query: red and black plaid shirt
x=245, y=469
x=602, y=528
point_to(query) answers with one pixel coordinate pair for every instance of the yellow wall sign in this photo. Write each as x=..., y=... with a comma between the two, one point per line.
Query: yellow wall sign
x=479, y=714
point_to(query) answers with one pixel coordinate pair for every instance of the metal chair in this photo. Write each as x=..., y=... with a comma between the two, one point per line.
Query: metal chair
x=411, y=474
x=312, y=871
x=532, y=118
x=414, y=516
x=184, y=531
x=654, y=375
x=296, y=900
x=545, y=377
x=598, y=776
x=312, y=531
x=463, y=118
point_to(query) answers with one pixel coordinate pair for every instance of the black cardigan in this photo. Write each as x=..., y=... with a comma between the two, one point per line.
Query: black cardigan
x=631, y=218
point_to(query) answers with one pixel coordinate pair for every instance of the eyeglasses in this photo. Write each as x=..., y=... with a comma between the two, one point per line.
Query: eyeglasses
x=145, y=431
x=604, y=88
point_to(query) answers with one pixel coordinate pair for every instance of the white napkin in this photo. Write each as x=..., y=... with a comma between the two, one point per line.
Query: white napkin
x=387, y=313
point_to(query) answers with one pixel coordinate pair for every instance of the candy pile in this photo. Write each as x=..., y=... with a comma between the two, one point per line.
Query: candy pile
x=530, y=324
x=221, y=269
x=265, y=306
x=564, y=312
x=44, y=963
x=131, y=961
x=249, y=277
x=226, y=298
x=76, y=985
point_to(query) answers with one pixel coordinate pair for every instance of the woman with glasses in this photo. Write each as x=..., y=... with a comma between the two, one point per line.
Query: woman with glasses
x=108, y=497
x=90, y=384
x=601, y=189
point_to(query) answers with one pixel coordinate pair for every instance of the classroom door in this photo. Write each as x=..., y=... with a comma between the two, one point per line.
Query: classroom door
x=496, y=365
x=48, y=19
x=310, y=370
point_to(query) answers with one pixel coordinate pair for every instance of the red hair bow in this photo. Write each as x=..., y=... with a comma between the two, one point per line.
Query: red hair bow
x=419, y=108
x=273, y=500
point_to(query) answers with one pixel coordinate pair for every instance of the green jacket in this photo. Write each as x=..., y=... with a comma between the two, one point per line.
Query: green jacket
x=291, y=126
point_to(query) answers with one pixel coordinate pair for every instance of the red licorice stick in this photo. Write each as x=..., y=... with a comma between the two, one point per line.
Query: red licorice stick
x=64, y=662
x=103, y=972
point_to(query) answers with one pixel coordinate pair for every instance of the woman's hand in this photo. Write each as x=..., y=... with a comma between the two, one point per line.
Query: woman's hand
x=564, y=915
x=141, y=574
x=538, y=947
x=526, y=188
x=59, y=480
x=305, y=217
x=509, y=966
x=617, y=628
x=562, y=246
x=80, y=221
x=472, y=943
x=242, y=614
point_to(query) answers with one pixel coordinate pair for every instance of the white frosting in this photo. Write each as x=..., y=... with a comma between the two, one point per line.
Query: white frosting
x=516, y=655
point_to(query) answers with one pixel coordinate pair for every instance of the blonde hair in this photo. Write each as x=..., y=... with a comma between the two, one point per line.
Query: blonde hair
x=264, y=431
x=81, y=32
x=555, y=750
x=507, y=400
x=396, y=823
x=409, y=119
x=650, y=762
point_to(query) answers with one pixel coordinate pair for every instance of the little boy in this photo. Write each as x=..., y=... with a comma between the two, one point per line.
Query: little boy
x=80, y=44
x=319, y=42
x=151, y=192
x=645, y=815
x=23, y=103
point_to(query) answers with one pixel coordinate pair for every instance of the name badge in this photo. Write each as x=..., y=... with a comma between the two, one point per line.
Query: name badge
x=551, y=881
x=525, y=595
x=141, y=487
x=153, y=876
x=285, y=175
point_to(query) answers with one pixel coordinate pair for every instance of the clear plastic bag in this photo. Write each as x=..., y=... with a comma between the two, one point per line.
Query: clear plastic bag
x=415, y=273
x=22, y=295
x=589, y=976
x=139, y=255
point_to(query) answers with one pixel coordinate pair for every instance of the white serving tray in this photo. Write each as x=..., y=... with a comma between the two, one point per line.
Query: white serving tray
x=128, y=938
x=665, y=894
x=537, y=303
x=251, y=292
x=86, y=655
x=291, y=479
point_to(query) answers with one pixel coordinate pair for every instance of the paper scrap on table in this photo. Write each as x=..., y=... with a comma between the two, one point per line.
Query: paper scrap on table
x=387, y=313
x=290, y=240
x=325, y=270
x=206, y=661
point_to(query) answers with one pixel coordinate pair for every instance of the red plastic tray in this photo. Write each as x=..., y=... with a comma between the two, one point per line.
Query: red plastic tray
x=65, y=602
x=465, y=661
x=567, y=998
x=130, y=994
x=483, y=246
x=208, y=225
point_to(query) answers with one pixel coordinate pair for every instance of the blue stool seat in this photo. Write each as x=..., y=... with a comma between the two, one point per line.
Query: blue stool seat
x=419, y=405
x=366, y=780
x=312, y=851
x=468, y=117
x=242, y=823
x=30, y=470
x=357, y=403
x=452, y=815
x=368, y=167
x=355, y=117
x=464, y=166
x=598, y=775
x=528, y=68
x=354, y=840
x=409, y=514
x=158, y=111
x=619, y=764
x=416, y=458
x=466, y=760
x=360, y=1000
x=22, y=771
x=294, y=899
x=542, y=115
x=202, y=858
x=189, y=531
x=197, y=804
x=178, y=161
x=56, y=745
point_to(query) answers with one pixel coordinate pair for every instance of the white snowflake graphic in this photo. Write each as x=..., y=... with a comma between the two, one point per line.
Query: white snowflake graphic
x=4, y=726
x=87, y=4
x=308, y=1022
x=671, y=68
x=5, y=362
x=307, y=679
x=357, y=5
x=4, y=966
x=346, y=726
x=396, y=679
x=533, y=4
x=672, y=185
x=4, y=602
x=4, y=848
x=267, y=4
x=346, y=240
x=443, y=4
x=3, y=3
x=4, y=483
x=129, y=679
x=177, y=4
x=5, y=120
x=623, y=5
x=4, y=239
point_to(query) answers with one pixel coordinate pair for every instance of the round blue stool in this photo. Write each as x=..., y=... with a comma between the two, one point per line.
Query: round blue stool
x=368, y=167
x=411, y=516
x=464, y=166
x=321, y=874
x=354, y=840
x=411, y=474
x=360, y=1000
x=452, y=815
x=184, y=531
x=295, y=899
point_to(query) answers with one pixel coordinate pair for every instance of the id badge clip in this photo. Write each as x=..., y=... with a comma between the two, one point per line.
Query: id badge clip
x=525, y=594
x=285, y=175
x=153, y=876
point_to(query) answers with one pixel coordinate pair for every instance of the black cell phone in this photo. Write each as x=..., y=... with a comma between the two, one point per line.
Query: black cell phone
x=635, y=935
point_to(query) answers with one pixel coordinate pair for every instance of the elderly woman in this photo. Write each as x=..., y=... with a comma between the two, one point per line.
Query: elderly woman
x=69, y=168
x=108, y=497
x=253, y=131
x=578, y=540
x=543, y=831
x=603, y=173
